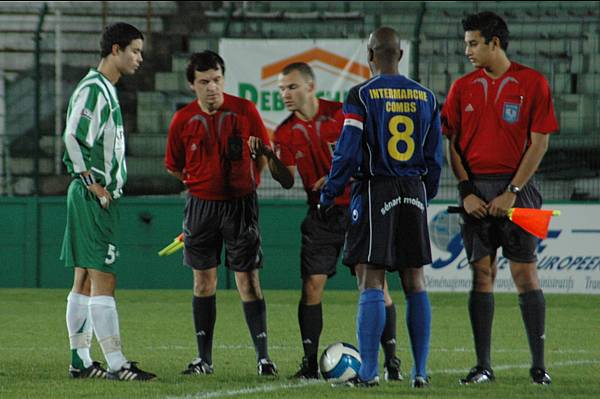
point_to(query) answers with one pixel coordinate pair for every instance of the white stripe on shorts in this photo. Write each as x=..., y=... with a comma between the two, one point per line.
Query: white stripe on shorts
x=370, y=226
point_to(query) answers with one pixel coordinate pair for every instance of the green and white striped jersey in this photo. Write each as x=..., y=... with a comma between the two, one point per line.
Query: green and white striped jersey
x=94, y=134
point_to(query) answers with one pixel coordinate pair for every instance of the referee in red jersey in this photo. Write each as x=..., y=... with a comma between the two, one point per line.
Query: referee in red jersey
x=498, y=119
x=207, y=149
x=305, y=141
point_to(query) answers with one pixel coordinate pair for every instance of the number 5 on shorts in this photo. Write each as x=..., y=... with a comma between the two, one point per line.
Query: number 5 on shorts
x=111, y=256
x=405, y=136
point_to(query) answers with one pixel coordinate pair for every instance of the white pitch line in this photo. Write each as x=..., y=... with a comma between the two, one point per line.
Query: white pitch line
x=302, y=384
x=432, y=350
x=322, y=347
x=555, y=351
x=246, y=391
x=443, y=350
x=523, y=366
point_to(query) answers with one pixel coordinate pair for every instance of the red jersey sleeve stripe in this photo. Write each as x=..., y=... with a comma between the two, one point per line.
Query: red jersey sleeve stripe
x=354, y=116
x=354, y=123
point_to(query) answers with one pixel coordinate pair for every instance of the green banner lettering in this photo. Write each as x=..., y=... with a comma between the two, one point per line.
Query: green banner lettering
x=248, y=92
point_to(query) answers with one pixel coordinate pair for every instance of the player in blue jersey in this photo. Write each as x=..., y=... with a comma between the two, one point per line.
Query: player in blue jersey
x=391, y=146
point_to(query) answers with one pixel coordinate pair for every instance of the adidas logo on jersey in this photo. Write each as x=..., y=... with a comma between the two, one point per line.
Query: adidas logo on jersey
x=299, y=154
x=469, y=108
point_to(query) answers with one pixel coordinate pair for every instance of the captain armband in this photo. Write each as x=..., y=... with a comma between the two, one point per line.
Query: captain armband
x=88, y=180
x=465, y=188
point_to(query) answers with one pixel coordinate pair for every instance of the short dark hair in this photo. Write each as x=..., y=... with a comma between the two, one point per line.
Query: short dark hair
x=118, y=33
x=490, y=25
x=203, y=62
x=302, y=67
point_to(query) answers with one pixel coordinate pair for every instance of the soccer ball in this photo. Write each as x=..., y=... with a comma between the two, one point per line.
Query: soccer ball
x=340, y=362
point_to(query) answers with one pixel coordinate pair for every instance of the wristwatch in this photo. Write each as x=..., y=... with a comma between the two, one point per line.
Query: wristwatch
x=513, y=189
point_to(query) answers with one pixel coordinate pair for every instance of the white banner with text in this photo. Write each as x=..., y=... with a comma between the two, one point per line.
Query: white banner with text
x=568, y=260
x=252, y=68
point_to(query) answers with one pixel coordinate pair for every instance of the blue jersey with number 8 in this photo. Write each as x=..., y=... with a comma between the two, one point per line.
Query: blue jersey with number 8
x=391, y=128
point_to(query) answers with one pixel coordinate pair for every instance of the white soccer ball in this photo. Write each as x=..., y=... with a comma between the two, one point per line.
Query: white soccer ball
x=340, y=362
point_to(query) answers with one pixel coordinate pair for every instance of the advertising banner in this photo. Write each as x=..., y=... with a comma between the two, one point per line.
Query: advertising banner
x=252, y=67
x=568, y=260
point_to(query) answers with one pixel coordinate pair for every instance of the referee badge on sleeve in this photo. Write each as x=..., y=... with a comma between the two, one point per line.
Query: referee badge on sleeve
x=510, y=112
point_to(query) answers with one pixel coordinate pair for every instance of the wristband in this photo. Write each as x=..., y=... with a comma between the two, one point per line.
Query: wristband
x=465, y=188
x=88, y=180
x=513, y=189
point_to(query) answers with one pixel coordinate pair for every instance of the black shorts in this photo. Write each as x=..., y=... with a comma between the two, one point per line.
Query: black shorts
x=482, y=237
x=322, y=241
x=388, y=225
x=208, y=223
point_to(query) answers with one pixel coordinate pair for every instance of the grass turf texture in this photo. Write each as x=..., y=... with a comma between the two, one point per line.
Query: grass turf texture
x=157, y=330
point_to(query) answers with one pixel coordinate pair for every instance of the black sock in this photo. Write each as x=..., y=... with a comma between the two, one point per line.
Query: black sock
x=310, y=318
x=205, y=314
x=481, y=312
x=388, y=337
x=533, y=310
x=256, y=318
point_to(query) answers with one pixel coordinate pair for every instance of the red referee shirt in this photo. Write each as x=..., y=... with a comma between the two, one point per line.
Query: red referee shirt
x=494, y=118
x=198, y=146
x=309, y=146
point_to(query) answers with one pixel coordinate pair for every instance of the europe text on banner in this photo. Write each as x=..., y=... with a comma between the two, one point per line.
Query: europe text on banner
x=568, y=259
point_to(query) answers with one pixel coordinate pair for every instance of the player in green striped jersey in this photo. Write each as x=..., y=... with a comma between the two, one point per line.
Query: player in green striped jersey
x=95, y=157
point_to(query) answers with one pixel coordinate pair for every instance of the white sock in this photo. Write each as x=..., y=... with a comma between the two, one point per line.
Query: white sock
x=79, y=326
x=106, y=326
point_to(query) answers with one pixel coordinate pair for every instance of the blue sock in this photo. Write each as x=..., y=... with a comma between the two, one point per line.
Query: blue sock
x=369, y=327
x=418, y=321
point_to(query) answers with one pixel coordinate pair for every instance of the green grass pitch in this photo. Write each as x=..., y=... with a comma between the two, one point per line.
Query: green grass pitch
x=157, y=330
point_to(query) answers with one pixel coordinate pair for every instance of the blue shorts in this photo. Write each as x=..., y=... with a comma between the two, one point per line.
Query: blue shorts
x=388, y=224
